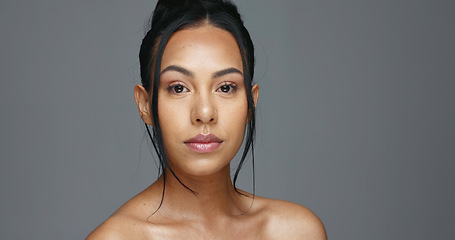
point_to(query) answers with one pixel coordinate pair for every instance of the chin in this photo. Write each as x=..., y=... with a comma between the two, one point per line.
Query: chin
x=204, y=167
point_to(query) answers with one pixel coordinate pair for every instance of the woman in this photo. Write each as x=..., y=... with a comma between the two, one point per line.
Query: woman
x=197, y=65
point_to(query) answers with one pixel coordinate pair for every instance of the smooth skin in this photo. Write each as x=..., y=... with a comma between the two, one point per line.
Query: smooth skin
x=202, y=91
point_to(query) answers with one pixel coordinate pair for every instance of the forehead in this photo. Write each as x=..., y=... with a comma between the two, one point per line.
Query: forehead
x=205, y=46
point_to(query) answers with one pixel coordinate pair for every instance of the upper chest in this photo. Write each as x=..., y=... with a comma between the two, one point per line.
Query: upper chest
x=227, y=230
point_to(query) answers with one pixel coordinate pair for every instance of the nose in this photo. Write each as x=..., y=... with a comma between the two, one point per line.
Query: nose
x=204, y=110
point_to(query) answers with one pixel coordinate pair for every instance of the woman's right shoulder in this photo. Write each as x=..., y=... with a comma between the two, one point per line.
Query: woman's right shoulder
x=116, y=227
x=129, y=221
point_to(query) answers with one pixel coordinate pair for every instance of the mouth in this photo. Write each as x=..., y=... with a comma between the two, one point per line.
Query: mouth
x=203, y=143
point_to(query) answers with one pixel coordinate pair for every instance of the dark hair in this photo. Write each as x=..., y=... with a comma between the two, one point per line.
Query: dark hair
x=171, y=16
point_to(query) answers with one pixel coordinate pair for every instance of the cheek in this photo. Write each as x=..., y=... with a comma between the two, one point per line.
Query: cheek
x=234, y=119
x=172, y=117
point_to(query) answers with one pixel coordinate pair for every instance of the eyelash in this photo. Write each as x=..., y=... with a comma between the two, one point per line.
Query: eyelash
x=232, y=86
x=172, y=88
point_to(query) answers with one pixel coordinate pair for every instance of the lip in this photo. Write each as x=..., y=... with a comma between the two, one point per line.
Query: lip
x=203, y=143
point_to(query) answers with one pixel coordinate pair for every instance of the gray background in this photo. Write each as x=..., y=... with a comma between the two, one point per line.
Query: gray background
x=356, y=114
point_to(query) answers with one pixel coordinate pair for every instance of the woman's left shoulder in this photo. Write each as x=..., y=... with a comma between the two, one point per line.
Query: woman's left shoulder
x=287, y=220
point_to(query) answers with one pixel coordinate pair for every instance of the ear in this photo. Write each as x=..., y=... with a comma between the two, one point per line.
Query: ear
x=255, y=93
x=142, y=100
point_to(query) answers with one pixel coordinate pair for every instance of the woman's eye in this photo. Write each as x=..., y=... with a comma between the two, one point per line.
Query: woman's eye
x=227, y=88
x=178, y=88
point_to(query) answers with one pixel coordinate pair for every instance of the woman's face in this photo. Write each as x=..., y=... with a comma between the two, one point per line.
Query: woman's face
x=202, y=103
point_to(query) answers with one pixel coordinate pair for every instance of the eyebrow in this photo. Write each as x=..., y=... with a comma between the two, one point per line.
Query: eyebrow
x=226, y=71
x=179, y=69
x=189, y=73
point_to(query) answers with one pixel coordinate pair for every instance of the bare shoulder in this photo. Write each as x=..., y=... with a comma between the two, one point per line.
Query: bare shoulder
x=287, y=220
x=114, y=228
x=129, y=221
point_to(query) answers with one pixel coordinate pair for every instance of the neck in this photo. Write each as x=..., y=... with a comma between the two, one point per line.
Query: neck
x=213, y=196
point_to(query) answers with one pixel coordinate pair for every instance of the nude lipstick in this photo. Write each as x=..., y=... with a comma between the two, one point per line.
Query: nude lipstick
x=202, y=143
